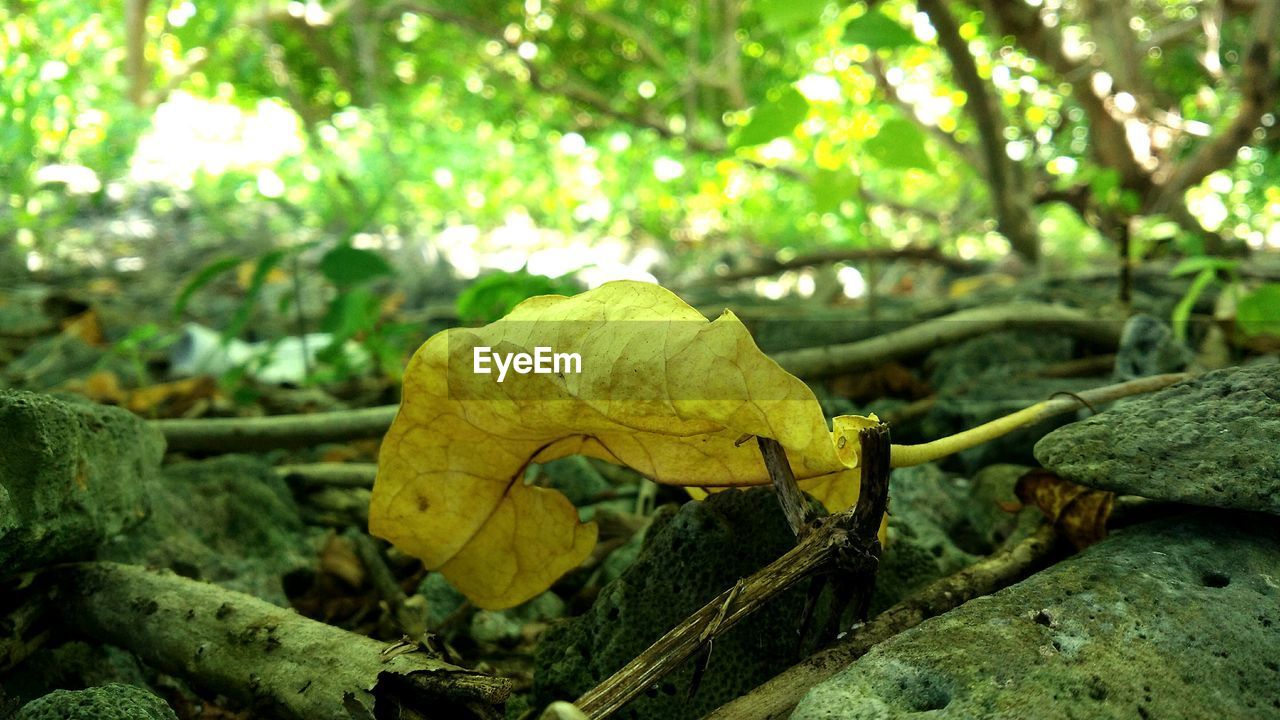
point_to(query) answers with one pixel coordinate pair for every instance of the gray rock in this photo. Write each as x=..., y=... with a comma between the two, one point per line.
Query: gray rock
x=1148, y=347
x=442, y=599
x=1173, y=619
x=577, y=478
x=506, y=627
x=229, y=520
x=108, y=702
x=990, y=376
x=939, y=523
x=689, y=556
x=71, y=475
x=1214, y=440
x=72, y=665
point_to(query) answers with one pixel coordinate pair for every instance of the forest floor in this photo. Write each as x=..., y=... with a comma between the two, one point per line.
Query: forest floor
x=1137, y=541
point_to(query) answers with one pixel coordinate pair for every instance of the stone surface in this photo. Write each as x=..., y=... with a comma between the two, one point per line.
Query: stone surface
x=988, y=377
x=73, y=665
x=940, y=523
x=1213, y=440
x=108, y=702
x=577, y=478
x=229, y=520
x=689, y=556
x=71, y=475
x=1148, y=347
x=1173, y=619
x=506, y=627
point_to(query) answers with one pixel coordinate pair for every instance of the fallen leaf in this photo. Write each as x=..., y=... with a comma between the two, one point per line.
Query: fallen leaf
x=172, y=399
x=661, y=390
x=246, y=270
x=338, y=558
x=1079, y=512
x=85, y=326
x=890, y=379
x=100, y=386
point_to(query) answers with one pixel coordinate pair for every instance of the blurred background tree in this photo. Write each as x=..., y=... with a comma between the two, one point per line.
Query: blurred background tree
x=613, y=137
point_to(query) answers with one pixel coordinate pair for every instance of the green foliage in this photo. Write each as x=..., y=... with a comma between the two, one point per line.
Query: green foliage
x=878, y=32
x=785, y=109
x=677, y=125
x=135, y=347
x=494, y=295
x=900, y=145
x=785, y=16
x=353, y=314
x=1258, y=312
x=202, y=277
x=1207, y=270
x=346, y=266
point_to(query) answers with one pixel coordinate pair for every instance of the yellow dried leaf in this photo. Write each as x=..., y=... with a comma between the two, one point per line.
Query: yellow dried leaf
x=661, y=390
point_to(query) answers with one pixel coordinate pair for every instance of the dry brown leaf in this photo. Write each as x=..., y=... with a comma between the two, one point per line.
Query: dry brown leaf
x=1079, y=512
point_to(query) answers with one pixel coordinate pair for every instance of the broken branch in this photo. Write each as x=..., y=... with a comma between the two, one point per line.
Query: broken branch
x=266, y=657
x=777, y=697
x=836, y=539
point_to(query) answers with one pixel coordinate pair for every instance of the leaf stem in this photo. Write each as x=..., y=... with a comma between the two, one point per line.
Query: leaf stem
x=908, y=455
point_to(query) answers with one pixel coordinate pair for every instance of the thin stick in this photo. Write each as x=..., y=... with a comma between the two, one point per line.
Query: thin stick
x=777, y=697
x=908, y=455
x=792, y=499
x=266, y=657
x=931, y=334
x=774, y=265
x=281, y=431
x=409, y=614
x=329, y=474
x=832, y=539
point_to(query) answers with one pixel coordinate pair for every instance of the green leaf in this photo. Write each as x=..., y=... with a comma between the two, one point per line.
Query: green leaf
x=1201, y=263
x=876, y=31
x=899, y=144
x=832, y=187
x=774, y=118
x=1182, y=311
x=350, y=313
x=1258, y=313
x=790, y=15
x=493, y=296
x=345, y=266
x=206, y=275
x=265, y=265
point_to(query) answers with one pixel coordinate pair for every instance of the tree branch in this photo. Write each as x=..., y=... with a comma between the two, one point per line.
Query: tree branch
x=268, y=658
x=1107, y=132
x=1258, y=90
x=777, y=697
x=940, y=331
x=876, y=68
x=846, y=536
x=1012, y=206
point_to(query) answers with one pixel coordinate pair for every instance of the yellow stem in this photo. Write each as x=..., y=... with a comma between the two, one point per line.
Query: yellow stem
x=908, y=455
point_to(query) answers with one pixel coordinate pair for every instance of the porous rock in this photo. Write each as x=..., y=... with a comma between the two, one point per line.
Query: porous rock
x=1212, y=440
x=689, y=556
x=229, y=520
x=108, y=702
x=71, y=475
x=1177, y=618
